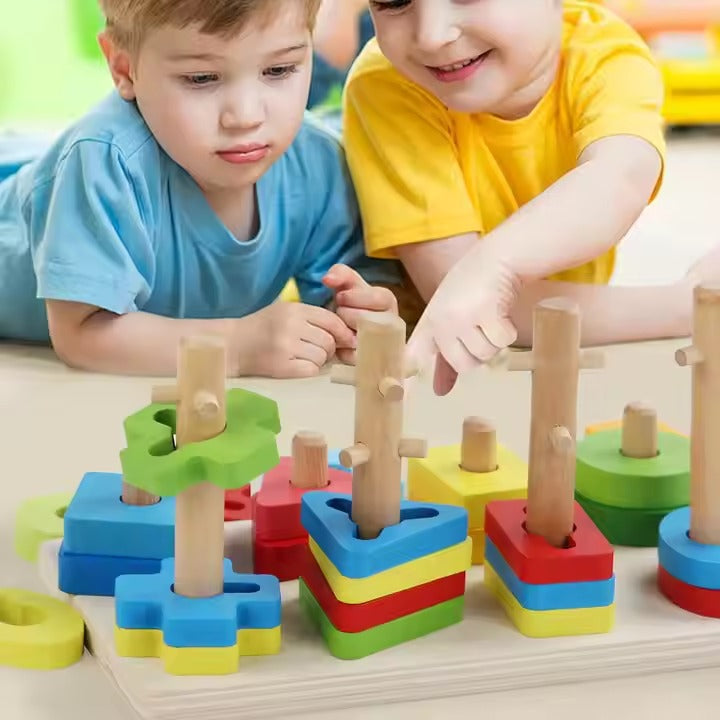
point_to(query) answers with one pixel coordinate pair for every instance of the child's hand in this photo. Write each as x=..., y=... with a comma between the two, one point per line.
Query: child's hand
x=293, y=340
x=353, y=297
x=467, y=321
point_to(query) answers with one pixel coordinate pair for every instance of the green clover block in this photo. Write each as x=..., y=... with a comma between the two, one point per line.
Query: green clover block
x=246, y=449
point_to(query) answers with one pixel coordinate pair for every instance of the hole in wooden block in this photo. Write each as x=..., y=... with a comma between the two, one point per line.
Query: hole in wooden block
x=20, y=615
x=406, y=514
x=166, y=445
x=238, y=588
x=569, y=541
x=60, y=512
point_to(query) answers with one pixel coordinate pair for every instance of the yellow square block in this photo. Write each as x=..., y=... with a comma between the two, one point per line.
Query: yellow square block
x=478, y=551
x=549, y=623
x=438, y=478
x=450, y=561
x=197, y=661
x=617, y=425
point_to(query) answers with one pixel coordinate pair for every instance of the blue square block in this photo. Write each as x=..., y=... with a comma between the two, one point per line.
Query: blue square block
x=148, y=602
x=96, y=574
x=97, y=522
x=423, y=529
x=551, y=596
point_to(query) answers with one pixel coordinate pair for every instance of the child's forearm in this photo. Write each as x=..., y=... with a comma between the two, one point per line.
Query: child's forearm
x=613, y=314
x=144, y=344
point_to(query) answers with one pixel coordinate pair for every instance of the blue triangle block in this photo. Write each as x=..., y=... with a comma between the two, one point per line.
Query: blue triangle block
x=424, y=528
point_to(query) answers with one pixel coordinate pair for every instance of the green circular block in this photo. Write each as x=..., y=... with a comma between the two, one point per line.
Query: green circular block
x=246, y=448
x=625, y=526
x=38, y=520
x=606, y=476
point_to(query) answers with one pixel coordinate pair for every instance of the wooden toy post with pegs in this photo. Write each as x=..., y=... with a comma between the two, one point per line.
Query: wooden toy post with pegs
x=479, y=446
x=689, y=544
x=381, y=571
x=639, y=431
x=545, y=561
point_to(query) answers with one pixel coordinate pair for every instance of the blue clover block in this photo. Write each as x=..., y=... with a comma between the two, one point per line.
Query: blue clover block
x=423, y=529
x=148, y=602
x=98, y=522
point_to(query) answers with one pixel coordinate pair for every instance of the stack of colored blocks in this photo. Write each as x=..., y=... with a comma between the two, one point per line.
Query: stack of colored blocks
x=365, y=596
x=439, y=478
x=105, y=538
x=279, y=538
x=628, y=497
x=197, y=636
x=688, y=571
x=548, y=591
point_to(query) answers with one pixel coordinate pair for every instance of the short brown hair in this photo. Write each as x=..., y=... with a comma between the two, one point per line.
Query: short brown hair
x=129, y=20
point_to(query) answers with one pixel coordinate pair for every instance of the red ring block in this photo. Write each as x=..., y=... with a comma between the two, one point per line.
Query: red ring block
x=276, y=505
x=534, y=560
x=700, y=601
x=238, y=505
x=363, y=616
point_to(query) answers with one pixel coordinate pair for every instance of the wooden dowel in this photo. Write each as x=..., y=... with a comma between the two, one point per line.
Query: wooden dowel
x=412, y=448
x=199, y=513
x=478, y=453
x=705, y=427
x=310, y=461
x=342, y=375
x=556, y=364
x=354, y=456
x=132, y=495
x=391, y=389
x=165, y=395
x=639, y=431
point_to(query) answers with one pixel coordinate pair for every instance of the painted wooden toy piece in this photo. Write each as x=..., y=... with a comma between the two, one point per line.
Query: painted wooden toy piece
x=197, y=614
x=371, y=551
x=470, y=475
x=548, y=553
x=238, y=504
x=37, y=521
x=689, y=542
x=629, y=478
x=279, y=538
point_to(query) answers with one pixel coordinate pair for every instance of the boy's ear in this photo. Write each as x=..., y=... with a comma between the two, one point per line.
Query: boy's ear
x=118, y=61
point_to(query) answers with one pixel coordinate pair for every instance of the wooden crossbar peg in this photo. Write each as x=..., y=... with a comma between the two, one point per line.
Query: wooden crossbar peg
x=478, y=451
x=555, y=362
x=376, y=456
x=199, y=510
x=639, y=431
x=704, y=357
x=310, y=461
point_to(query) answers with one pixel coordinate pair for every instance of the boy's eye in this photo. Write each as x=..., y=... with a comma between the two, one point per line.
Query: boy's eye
x=389, y=4
x=201, y=79
x=280, y=71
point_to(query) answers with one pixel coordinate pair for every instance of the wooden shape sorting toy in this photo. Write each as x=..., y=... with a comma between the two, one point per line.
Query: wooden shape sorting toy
x=549, y=539
x=38, y=520
x=238, y=504
x=469, y=475
x=689, y=543
x=39, y=632
x=371, y=545
x=617, y=425
x=204, y=604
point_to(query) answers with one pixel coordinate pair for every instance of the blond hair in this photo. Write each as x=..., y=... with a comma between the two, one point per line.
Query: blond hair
x=128, y=21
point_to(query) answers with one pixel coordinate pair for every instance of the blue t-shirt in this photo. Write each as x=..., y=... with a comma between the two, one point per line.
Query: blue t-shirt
x=105, y=217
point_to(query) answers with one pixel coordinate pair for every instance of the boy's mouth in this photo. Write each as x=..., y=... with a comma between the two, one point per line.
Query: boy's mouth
x=243, y=154
x=460, y=70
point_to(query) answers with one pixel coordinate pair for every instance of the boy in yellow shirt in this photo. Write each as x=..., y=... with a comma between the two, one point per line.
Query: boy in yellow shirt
x=534, y=124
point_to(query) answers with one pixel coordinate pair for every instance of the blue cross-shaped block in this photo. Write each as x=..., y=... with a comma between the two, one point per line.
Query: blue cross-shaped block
x=148, y=602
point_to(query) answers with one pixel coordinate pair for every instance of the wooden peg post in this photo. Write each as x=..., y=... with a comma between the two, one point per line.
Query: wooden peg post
x=479, y=446
x=132, y=495
x=310, y=461
x=704, y=356
x=376, y=456
x=199, y=510
x=555, y=362
x=639, y=431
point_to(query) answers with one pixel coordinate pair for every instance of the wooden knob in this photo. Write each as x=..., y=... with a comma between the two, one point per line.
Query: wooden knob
x=639, y=431
x=310, y=461
x=479, y=446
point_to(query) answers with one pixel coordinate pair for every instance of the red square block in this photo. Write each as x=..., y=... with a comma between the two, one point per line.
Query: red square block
x=238, y=505
x=363, y=616
x=285, y=559
x=276, y=505
x=589, y=557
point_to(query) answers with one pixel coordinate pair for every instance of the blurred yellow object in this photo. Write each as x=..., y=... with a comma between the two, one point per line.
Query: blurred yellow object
x=290, y=293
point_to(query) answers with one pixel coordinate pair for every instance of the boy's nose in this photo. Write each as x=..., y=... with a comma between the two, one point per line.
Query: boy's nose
x=245, y=113
x=435, y=26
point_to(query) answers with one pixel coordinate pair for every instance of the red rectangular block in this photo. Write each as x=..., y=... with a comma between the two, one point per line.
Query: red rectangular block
x=363, y=616
x=238, y=505
x=276, y=505
x=589, y=557
x=283, y=558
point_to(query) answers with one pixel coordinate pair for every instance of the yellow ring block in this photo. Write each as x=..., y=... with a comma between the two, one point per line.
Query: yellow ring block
x=438, y=478
x=617, y=425
x=549, y=623
x=197, y=661
x=39, y=632
x=450, y=561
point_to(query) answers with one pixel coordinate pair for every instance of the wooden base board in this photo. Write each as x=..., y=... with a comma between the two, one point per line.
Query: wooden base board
x=483, y=653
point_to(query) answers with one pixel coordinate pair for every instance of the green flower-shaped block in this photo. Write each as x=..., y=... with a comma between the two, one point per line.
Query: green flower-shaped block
x=246, y=449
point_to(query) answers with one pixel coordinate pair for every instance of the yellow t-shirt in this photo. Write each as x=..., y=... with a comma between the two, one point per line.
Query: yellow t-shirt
x=423, y=172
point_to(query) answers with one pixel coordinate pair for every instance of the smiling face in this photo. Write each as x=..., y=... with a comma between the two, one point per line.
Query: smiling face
x=223, y=108
x=491, y=56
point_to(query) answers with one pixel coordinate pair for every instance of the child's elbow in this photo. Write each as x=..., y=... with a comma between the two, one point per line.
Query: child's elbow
x=639, y=176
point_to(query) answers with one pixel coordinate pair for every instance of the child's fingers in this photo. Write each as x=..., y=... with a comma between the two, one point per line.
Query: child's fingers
x=351, y=317
x=299, y=368
x=368, y=298
x=478, y=345
x=445, y=377
x=332, y=323
x=347, y=356
x=319, y=337
x=311, y=353
x=343, y=277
